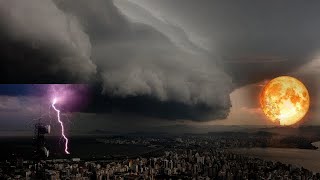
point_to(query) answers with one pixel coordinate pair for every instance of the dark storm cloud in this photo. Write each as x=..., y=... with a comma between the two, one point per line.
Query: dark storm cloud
x=181, y=62
x=254, y=41
x=143, y=72
x=249, y=32
x=63, y=41
x=40, y=43
x=144, y=105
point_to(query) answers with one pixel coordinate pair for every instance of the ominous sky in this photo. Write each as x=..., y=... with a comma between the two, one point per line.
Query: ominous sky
x=156, y=63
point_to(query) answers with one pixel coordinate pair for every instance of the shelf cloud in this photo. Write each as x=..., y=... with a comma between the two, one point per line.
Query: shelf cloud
x=152, y=63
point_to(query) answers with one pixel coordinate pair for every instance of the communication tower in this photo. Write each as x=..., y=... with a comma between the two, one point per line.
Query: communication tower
x=40, y=130
x=41, y=152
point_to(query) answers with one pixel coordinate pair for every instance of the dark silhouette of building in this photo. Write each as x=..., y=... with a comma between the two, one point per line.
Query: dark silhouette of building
x=41, y=152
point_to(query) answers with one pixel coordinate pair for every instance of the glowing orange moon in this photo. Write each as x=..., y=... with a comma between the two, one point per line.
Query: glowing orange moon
x=284, y=100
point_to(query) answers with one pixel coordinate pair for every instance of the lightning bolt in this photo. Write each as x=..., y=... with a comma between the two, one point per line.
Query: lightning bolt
x=61, y=124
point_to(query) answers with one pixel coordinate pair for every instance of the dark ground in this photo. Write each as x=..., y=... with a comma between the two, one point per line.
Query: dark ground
x=83, y=147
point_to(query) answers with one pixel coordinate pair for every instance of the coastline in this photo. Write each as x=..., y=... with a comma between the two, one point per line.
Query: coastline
x=307, y=158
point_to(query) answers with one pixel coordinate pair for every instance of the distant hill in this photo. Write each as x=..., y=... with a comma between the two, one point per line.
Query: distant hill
x=101, y=132
x=306, y=131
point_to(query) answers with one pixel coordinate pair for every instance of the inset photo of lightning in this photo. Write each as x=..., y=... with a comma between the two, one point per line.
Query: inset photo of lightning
x=159, y=89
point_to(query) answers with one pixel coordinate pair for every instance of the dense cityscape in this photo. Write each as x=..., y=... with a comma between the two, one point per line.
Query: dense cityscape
x=159, y=90
x=181, y=157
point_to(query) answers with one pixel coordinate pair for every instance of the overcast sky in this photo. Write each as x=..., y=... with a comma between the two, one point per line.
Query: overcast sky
x=157, y=63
